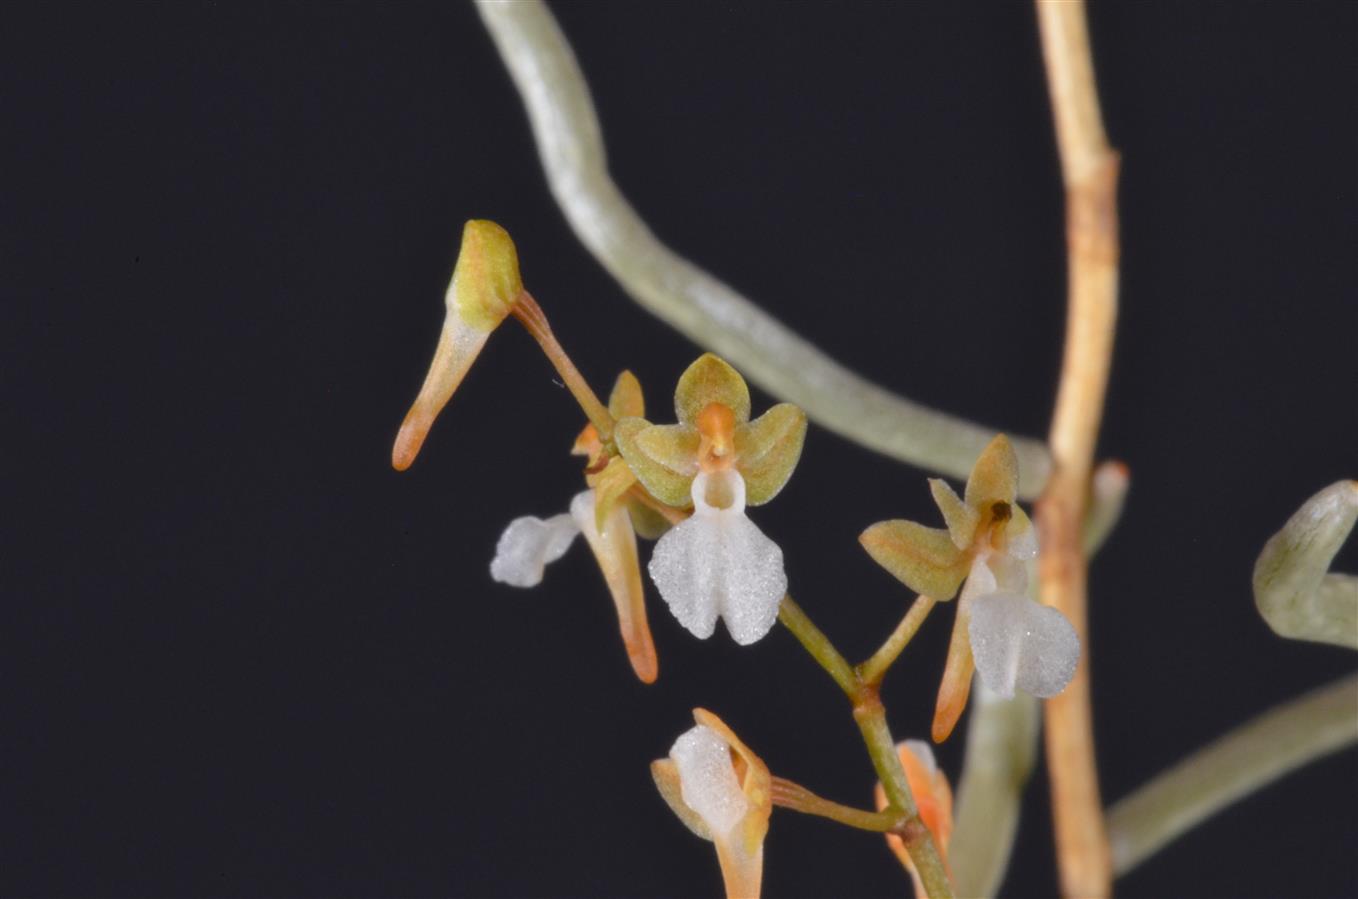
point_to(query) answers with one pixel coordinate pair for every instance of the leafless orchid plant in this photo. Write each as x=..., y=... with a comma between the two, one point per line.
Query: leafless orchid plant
x=1018, y=585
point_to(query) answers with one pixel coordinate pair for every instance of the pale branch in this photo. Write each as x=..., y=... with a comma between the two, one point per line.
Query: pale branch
x=1233, y=766
x=1293, y=587
x=570, y=143
x=1001, y=750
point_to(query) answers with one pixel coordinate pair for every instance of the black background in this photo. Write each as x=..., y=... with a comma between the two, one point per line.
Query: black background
x=242, y=656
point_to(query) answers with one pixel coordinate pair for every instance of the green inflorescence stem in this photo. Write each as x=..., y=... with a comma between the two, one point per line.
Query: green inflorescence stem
x=790, y=795
x=874, y=669
x=870, y=716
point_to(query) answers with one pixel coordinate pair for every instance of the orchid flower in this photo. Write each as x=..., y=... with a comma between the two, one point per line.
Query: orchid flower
x=722, y=792
x=1014, y=642
x=933, y=797
x=606, y=516
x=717, y=563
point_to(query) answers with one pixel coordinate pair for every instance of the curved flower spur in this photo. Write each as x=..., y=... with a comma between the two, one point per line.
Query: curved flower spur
x=610, y=515
x=1012, y=641
x=717, y=563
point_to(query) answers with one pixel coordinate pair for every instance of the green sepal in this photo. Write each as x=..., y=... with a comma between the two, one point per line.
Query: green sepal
x=924, y=559
x=711, y=380
x=994, y=477
x=962, y=520
x=647, y=522
x=486, y=282
x=626, y=400
x=767, y=450
x=663, y=457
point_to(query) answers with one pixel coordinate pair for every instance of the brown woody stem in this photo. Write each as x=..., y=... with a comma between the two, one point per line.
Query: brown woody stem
x=1089, y=170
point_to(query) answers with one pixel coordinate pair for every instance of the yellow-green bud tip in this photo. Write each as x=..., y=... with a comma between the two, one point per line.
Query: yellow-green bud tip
x=486, y=282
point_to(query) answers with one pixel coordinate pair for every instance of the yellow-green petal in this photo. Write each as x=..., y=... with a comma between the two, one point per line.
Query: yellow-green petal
x=663, y=457
x=767, y=450
x=924, y=559
x=626, y=400
x=711, y=380
x=647, y=522
x=994, y=477
x=609, y=486
x=960, y=518
x=665, y=773
x=486, y=282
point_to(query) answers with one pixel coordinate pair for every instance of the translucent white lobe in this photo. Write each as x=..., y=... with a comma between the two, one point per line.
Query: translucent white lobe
x=1023, y=546
x=1018, y=643
x=707, y=779
x=527, y=545
x=719, y=564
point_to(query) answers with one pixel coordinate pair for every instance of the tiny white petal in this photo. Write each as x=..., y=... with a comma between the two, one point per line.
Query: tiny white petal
x=527, y=545
x=1018, y=643
x=980, y=580
x=1024, y=545
x=707, y=779
x=1009, y=573
x=755, y=581
x=582, y=510
x=683, y=569
x=983, y=695
x=718, y=563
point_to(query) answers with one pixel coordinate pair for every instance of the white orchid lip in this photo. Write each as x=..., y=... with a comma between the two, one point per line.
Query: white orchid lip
x=1021, y=644
x=707, y=778
x=719, y=564
x=527, y=545
x=1017, y=644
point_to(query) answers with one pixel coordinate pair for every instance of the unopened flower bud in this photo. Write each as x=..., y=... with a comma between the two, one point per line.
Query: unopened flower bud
x=484, y=289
